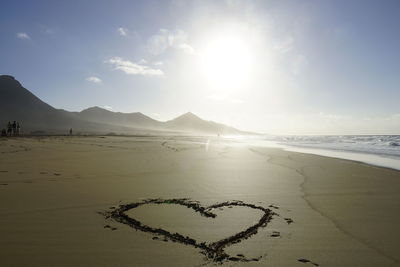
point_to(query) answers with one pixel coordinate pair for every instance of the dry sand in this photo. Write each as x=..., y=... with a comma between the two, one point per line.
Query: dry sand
x=54, y=189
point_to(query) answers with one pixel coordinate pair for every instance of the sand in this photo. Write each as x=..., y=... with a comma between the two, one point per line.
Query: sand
x=56, y=192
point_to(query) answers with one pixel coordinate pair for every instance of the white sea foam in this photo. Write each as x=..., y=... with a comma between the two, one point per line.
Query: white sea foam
x=379, y=150
x=385, y=145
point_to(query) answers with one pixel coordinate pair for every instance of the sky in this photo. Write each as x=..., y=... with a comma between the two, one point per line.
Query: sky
x=278, y=67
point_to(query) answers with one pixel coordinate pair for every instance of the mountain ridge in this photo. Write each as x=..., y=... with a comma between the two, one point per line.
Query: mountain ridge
x=18, y=103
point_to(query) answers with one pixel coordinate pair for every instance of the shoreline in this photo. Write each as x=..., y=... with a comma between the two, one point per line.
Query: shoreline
x=376, y=160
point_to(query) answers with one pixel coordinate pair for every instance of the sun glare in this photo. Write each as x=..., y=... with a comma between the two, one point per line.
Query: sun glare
x=226, y=62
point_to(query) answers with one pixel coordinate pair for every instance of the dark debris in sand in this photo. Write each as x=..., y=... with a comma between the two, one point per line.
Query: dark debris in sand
x=110, y=227
x=307, y=261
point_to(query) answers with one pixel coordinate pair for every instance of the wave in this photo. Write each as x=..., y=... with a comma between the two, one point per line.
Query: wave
x=388, y=145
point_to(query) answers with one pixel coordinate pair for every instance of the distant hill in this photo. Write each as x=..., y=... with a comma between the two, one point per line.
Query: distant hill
x=18, y=103
x=189, y=122
x=136, y=119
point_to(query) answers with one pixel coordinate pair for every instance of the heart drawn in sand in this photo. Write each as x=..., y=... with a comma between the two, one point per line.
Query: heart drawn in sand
x=213, y=251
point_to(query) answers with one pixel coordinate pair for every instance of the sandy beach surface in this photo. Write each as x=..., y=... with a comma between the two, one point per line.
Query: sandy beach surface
x=58, y=194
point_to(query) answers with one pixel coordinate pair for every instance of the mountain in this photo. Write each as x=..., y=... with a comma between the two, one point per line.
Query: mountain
x=189, y=122
x=136, y=119
x=19, y=104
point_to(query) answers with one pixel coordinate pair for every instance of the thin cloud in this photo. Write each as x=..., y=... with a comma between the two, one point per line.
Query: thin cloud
x=132, y=68
x=186, y=48
x=165, y=39
x=23, y=35
x=46, y=29
x=94, y=79
x=49, y=31
x=122, y=31
x=285, y=45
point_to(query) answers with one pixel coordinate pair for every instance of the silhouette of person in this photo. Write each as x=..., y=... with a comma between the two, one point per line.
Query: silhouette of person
x=18, y=128
x=14, y=128
x=70, y=131
x=9, y=128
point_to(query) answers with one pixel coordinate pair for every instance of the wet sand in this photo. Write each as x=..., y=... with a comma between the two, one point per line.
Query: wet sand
x=56, y=192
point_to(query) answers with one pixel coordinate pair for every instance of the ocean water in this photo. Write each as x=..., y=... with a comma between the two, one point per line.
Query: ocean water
x=384, y=145
x=379, y=150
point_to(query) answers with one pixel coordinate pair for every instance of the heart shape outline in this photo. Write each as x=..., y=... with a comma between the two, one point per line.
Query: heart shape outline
x=213, y=251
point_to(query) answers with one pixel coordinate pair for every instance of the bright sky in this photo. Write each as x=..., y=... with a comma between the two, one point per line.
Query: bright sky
x=280, y=67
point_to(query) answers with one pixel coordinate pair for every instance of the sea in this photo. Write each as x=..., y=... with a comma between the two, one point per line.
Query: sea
x=378, y=150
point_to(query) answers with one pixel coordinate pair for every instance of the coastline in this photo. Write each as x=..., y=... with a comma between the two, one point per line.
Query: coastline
x=378, y=160
x=369, y=159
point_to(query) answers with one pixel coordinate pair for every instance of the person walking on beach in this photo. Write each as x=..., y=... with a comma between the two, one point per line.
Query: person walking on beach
x=14, y=128
x=18, y=128
x=9, y=129
x=70, y=131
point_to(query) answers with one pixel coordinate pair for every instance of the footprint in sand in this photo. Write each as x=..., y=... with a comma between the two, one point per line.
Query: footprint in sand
x=3, y=171
x=110, y=227
x=275, y=234
x=288, y=220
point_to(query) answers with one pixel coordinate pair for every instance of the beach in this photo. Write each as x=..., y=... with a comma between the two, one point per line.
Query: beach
x=62, y=199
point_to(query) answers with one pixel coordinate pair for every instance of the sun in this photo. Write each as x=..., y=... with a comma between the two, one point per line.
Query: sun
x=226, y=62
